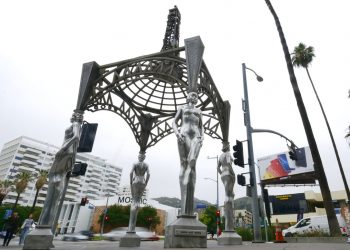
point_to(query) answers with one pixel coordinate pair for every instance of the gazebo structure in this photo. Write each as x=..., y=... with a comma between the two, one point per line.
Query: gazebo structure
x=146, y=91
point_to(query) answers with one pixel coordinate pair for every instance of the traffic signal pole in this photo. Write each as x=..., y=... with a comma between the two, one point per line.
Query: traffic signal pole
x=255, y=207
x=104, y=216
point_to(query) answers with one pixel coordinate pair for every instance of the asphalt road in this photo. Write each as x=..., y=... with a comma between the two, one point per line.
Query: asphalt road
x=212, y=244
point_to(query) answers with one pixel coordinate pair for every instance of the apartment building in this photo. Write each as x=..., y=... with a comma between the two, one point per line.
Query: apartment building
x=243, y=218
x=25, y=154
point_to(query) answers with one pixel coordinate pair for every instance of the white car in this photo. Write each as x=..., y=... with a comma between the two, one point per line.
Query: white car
x=82, y=235
x=117, y=233
x=317, y=223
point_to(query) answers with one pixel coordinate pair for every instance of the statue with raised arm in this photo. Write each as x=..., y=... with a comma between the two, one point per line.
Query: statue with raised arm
x=61, y=167
x=139, y=177
x=190, y=134
x=228, y=179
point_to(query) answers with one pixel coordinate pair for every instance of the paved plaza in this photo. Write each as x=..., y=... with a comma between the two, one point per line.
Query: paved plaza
x=212, y=244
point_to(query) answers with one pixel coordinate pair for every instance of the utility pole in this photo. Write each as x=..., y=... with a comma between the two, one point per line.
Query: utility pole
x=255, y=205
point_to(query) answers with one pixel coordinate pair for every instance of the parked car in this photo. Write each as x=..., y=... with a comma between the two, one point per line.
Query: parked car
x=117, y=233
x=317, y=223
x=82, y=235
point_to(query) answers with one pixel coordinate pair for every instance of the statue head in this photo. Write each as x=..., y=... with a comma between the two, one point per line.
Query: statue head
x=142, y=156
x=77, y=116
x=225, y=146
x=192, y=97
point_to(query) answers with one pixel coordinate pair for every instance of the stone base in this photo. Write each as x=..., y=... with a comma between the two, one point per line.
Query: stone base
x=130, y=239
x=39, y=239
x=186, y=232
x=229, y=238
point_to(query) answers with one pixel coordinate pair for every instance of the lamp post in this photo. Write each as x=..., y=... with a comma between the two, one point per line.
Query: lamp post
x=217, y=190
x=255, y=206
x=104, y=216
x=217, y=180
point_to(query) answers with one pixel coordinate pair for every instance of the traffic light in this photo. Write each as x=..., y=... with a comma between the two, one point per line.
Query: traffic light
x=241, y=179
x=83, y=201
x=217, y=217
x=87, y=137
x=292, y=155
x=238, y=154
x=106, y=217
x=267, y=203
x=79, y=169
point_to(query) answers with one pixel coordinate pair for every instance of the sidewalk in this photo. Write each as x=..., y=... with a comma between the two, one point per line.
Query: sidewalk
x=211, y=244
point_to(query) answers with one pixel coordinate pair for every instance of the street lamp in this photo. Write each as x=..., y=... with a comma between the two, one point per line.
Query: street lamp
x=217, y=190
x=217, y=180
x=255, y=205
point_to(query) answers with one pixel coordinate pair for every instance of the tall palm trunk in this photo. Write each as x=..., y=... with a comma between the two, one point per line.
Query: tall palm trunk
x=35, y=198
x=15, y=205
x=332, y=138
x=320, y=174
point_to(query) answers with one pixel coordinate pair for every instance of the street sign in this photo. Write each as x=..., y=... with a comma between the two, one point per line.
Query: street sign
x=201, y=206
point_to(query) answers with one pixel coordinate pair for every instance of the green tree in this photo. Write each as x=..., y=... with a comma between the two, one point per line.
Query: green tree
x=147, y=217
x=302, y=57
x=5, y=188
x=21, y=183
x=118, y=216
x=319, y=170
x=23, y=213
x=40, y=182
x=208, y=217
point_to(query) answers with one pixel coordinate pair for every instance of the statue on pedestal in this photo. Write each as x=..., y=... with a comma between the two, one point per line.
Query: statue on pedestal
x=139, y=177
x=190, y=136
x=61, y=166
x=228, y=179
x=42, y=236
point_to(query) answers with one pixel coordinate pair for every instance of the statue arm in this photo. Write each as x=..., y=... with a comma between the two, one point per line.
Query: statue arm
x=218, y=167
x=177, y=117
x=147, y=176
x=132, y=174
x=230, y=163
x=201, y=128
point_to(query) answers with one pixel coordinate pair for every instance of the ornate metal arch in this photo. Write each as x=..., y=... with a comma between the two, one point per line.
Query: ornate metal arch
x=146, y=92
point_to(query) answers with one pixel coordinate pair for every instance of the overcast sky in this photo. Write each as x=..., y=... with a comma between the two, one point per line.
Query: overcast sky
x=44, y=44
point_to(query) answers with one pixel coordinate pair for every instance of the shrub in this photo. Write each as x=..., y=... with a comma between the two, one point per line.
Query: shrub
x=245, y=233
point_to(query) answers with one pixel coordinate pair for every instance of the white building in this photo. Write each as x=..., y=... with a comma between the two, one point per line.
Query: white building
x=25, y=154
x=243, y=218
x=74, y=217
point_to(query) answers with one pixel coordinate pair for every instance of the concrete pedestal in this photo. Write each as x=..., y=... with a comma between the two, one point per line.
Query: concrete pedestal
x=229, y=238
x=39, y=239
x=186, y=232
x=130, y=239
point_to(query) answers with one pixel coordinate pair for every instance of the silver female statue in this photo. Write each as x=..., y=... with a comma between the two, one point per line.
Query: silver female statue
x=62, y=165
x=190, y=136
x=139, y=177
x=228, y=178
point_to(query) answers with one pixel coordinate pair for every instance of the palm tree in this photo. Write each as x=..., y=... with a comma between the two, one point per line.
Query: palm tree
x=319, y=170
x=40, y=182
x=5, y=188
x=21, y=183
x=302, y=57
